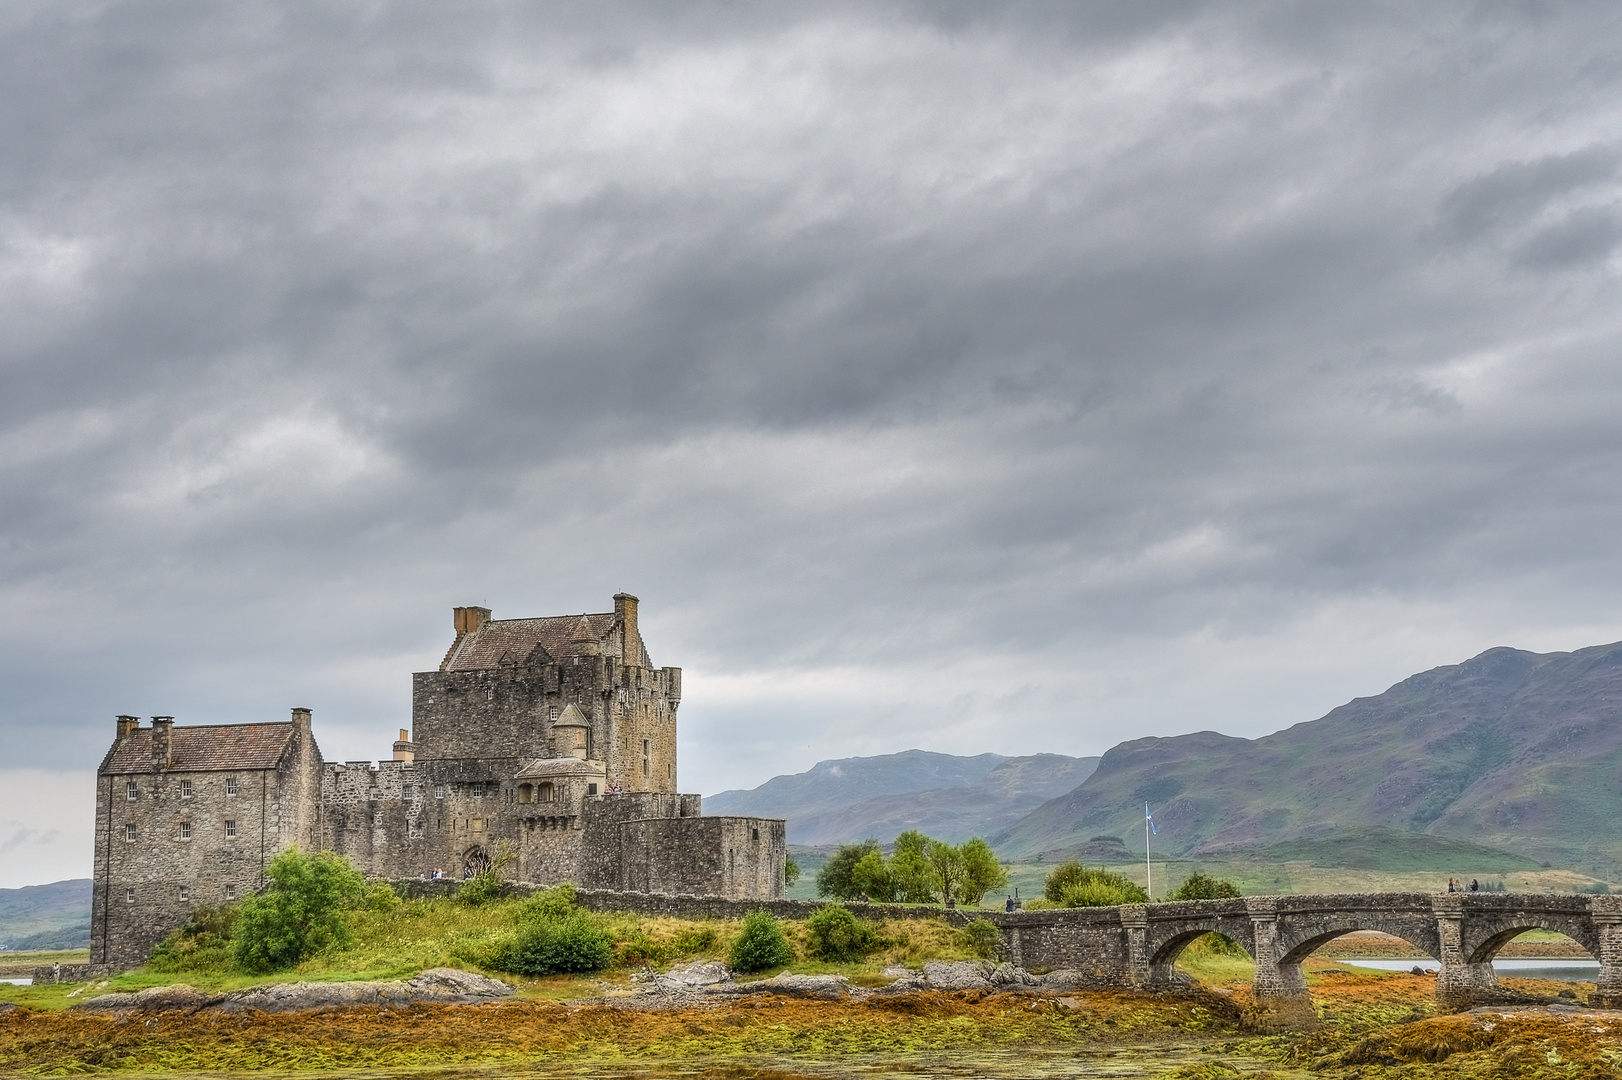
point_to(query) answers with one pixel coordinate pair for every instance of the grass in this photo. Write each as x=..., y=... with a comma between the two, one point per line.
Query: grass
x=15, y=965
x=420, y=934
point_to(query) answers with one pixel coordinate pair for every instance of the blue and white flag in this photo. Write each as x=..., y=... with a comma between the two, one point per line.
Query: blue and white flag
x=1150, y=818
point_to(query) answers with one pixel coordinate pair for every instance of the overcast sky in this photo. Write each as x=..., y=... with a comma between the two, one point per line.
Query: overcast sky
x=971, y=377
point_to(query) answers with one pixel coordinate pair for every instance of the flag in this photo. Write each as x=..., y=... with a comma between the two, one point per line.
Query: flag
x=1150, y=818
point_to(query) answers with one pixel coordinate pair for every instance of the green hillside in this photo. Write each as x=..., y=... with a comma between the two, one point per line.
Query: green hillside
x=1518, y=752
x=947, y=797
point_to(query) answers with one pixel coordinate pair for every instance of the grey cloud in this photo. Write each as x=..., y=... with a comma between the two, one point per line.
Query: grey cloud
x=887, y=351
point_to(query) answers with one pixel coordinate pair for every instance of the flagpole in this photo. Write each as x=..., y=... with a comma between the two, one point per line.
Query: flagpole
x=1148, y=870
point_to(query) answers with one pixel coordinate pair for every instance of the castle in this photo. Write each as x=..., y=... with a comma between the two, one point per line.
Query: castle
x=549, y=740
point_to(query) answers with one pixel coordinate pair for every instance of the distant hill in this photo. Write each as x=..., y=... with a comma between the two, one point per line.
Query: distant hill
x=1519, y=752
x=54, y=916
x=947, y=797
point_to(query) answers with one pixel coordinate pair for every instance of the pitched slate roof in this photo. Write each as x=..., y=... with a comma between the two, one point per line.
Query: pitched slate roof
x=518, y=638
x=205, y=747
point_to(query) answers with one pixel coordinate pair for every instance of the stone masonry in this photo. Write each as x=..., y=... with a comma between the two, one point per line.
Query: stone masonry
x=549, y=743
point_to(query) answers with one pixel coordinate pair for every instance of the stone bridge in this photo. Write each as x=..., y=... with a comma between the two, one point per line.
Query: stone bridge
x=1138, y=944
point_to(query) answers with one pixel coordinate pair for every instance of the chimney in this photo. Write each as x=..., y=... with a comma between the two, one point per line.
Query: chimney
x=469, y=619
x=301, y=722
x=127, y=726
x=625, y=615
x=162, y=730
x=404, y=748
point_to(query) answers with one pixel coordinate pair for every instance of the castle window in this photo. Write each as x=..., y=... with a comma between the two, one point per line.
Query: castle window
x=377, y=818
x=754, y=834
x=526, y=793
x=129, y=896
x=439, y=791
x=132, y=791
x=552, y=713
x=129, y=831
x=230, y=785
x=230, y=830
x=374, y=795
x=230, y=892
x=185, y=892
x=185, y=830
x=478, y=791
x=591, y=789
x=185, y=789
x=547, y=793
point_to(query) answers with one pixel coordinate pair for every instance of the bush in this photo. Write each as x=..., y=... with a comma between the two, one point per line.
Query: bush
x=300, y=913
x=1200, y=887
x=202, y=945
x=982, y=939
x=1060, y=878
x=761, y=945
x=1095, y=887
x=551, y=945
x=381, y=897
x=791, y=870
x=482, y=888
x=839, y=936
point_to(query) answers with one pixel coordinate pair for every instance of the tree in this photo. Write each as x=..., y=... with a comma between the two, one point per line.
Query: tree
x=835, y=877
x=872, y=877
x=947, y=863
x=300, y=912
x=761, y=945
x=1200, y=887
x=981, y=871
x=910, y=869
x=791, y=870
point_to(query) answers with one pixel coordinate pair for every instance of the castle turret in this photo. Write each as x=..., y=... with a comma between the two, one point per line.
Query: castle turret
x=630, y=640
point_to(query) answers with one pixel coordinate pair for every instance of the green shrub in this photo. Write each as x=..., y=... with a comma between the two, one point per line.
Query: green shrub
x=791, y=870
x=839, y=936
x=202, y=945
x=1060, y=878
x=982, y=939
x=482, y=888
x=554, y=903
x=1200, y=887
x=299, y=913
x=761, y=944
x=381, y=897
x=1214, y=944
x=551, y=945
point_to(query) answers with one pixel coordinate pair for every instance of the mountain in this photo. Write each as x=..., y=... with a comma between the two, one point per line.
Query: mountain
x=947, y=797
x=54, y=916
x=1515, y=750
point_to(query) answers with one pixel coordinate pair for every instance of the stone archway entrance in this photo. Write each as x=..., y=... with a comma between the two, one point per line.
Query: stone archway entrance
x=475, y=861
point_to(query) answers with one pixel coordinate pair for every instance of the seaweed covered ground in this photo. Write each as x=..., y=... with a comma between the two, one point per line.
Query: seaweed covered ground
x=1371, y=1026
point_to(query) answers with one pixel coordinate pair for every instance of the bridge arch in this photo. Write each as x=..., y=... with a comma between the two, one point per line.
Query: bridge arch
x=1296, y=949
x=1483, y=942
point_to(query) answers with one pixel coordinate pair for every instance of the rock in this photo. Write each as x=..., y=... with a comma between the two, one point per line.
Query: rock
x=817, y=986
x=179, y=996
x=442, y=985
x=698, y=973
x=1009, y=975
x=957, y=975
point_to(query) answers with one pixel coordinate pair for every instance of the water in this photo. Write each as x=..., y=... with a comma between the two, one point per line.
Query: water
x=1566, y=970
x=18, y=982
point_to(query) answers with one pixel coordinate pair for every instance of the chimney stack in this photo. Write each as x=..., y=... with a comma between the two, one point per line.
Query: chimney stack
x=404, y=748
x=469, y=619
x=625, y=615
x=301, y=722
x=162, y=741
x=127, y=726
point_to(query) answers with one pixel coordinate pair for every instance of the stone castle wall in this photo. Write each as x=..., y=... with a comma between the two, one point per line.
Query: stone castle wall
x=168, y=842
